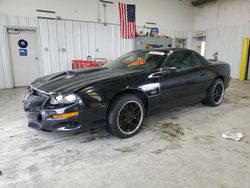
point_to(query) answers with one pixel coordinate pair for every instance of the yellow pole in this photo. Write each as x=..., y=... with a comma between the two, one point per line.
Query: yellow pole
x=244, y=59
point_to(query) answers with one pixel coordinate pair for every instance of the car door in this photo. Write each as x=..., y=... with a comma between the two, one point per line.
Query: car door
x=185, y=84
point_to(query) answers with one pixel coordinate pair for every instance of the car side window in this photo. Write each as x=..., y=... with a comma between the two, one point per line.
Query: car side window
x=202, y=60
x=182, y=60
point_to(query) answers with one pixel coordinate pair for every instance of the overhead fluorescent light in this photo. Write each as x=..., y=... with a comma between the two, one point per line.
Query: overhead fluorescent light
x=46, y=11
x=109, y=2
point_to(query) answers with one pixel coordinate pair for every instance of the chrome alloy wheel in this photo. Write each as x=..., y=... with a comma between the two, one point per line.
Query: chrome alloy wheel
x=130, y=117
x=219, y=92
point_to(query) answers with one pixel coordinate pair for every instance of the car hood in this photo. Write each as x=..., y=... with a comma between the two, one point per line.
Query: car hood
x=71, y=81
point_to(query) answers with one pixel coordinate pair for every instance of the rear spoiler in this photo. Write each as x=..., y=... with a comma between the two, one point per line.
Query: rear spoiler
x=213, y=60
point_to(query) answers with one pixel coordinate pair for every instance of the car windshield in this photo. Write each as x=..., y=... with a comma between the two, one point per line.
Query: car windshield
x=147, y=60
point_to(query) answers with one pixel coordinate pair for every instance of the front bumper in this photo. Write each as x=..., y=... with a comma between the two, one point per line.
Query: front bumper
x=43, y=120
x=40, y=114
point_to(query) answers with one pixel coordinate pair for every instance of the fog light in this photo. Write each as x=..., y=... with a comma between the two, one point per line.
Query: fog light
x=64, y=116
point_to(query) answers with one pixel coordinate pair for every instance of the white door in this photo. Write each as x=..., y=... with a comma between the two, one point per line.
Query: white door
x=24, y=56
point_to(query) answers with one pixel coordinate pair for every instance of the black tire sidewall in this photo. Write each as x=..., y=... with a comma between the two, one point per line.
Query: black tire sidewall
x=210, y=97
x=114, y=111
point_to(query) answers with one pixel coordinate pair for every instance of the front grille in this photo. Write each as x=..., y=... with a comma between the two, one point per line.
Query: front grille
x=33, y=91
x=36, y=92
x=36, y=100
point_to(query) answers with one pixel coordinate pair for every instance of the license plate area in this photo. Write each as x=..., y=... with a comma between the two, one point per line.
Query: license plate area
x=34, y=117
x=34, y=120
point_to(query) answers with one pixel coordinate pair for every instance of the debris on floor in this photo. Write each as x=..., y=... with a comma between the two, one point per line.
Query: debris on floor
x=174, y=130
x=233, y=136
x=169, y=130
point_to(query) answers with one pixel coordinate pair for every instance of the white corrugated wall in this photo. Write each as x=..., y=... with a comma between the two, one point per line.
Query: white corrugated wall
x=228, y=43
x=61, y=41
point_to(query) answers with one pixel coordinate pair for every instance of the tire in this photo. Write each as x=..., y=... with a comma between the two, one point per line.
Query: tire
x=125, y=116
x=215, y=93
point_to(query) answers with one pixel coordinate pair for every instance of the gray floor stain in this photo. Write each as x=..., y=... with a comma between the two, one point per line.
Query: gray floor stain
x=174, y=118
x=88, y=139
x=124, y=149
x=128, y=149
x=44, y=148
x=204, y=139
x=33, y=168
x=169, y=130
x=168, y=147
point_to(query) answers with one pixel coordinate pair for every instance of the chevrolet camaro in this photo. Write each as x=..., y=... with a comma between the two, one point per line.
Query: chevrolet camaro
x=120, y=94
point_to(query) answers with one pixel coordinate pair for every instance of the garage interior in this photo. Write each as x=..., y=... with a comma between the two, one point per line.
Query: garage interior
x=181, y=147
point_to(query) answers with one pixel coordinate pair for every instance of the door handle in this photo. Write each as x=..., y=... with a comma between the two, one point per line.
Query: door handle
x=203, y=74
x=158, y=75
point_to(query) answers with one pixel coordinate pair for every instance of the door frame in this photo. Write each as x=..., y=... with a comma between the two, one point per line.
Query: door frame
x=180, y=38
x=9, y=59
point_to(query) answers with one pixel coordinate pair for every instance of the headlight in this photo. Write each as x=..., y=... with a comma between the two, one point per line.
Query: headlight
x=64, y=99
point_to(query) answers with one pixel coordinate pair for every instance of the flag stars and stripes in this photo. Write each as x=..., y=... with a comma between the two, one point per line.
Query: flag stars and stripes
x=127, y=20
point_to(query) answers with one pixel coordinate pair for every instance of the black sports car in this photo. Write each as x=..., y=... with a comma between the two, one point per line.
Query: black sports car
x=121, y=93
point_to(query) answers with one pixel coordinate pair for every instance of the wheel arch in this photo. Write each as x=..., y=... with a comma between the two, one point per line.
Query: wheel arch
x=216, y=78
x=220, y=77
x=140, y=94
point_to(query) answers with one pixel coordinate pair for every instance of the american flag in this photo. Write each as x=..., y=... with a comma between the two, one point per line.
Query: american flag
x=127, y=20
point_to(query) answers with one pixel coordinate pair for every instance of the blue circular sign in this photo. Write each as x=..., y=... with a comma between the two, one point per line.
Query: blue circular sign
x=22, y=43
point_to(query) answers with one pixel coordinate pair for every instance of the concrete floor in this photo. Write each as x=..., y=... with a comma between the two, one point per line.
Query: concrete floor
x=180, y=148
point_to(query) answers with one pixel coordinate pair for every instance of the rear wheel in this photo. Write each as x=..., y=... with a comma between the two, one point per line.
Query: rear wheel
x=125, y=116
x=215, y=94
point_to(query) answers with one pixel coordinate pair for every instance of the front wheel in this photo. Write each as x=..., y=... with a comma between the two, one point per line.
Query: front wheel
x=215, y=94
x=125, y=116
